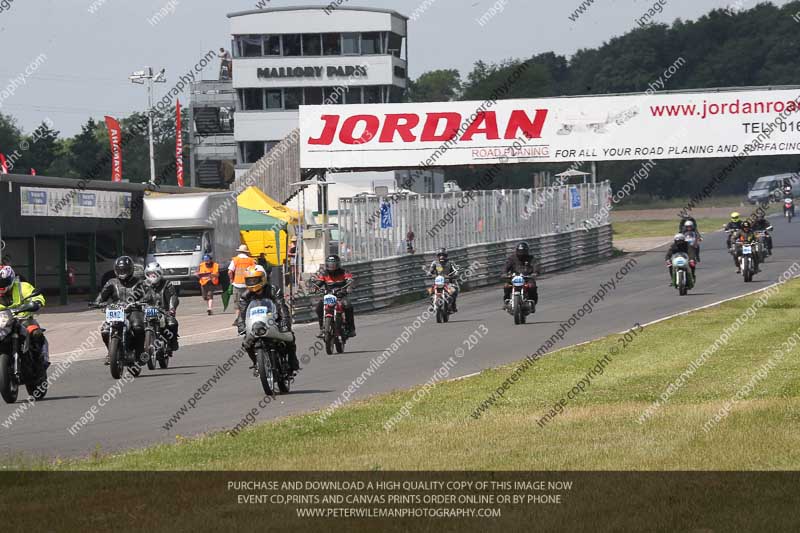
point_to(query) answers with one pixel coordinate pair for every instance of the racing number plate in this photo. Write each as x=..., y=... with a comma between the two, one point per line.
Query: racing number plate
x=747, y=249
x=329, y=299
x=259, y=311
x=115, y=315
x=151, y=312
x=518, y=281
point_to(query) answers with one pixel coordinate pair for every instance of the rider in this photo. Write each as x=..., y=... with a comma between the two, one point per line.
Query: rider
x=684, y=220
x=164, y=296
x=760, y=224
x=691, y=227
x=258, y=288
x=787, y=195
x=745, y=235
x=123, y=288
x=335, y=277
x=12, y=292
x=680, y=246
x=521, y=262
x=449, y=271
x=734, y=225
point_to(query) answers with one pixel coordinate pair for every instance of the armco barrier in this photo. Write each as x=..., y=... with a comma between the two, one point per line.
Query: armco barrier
x=382, y=282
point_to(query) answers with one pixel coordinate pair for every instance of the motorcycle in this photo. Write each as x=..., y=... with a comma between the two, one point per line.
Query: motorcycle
x=17, y=366
x=763, y=251
x=518, y=306
x=746, y=261
x=682, y=276
x=156, y=345
x=271, y=346
x=788, y=209
x=440, y=299
x=122, y=352
x=334, y=328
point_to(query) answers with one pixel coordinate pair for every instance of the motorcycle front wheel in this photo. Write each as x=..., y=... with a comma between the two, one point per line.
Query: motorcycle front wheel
x=519, y=315
x=9, y=389
x=151, y=349
x=327, y=327
x=115, y=357
x=265, y=372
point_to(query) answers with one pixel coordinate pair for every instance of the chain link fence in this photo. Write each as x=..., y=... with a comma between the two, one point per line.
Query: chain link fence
x=371, y=227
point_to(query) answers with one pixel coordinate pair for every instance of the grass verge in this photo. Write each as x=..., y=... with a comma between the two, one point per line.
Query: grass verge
x=601, y=429
x=632, y=229
x=640, y=202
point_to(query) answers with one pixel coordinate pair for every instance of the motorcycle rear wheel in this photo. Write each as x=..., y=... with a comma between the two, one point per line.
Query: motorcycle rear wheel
x=284, y=383
x=9, y=389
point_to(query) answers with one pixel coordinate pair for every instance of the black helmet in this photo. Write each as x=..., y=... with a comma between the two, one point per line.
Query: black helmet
x=441, y=255
x=333, y=263
x=123, y=267
x=523, y=251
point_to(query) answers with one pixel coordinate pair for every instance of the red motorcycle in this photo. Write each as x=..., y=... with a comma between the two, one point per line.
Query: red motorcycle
x=333, y=323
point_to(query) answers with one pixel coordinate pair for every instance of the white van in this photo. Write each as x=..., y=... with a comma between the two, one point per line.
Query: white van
x=767, y=186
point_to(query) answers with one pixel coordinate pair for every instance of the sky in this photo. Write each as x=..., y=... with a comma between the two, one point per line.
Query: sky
x=79, y=61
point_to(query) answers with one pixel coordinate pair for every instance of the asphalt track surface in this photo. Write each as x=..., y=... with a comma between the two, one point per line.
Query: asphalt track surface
x=136, y=417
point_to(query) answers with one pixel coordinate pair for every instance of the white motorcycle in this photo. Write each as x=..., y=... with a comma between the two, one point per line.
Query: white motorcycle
x=271, y=346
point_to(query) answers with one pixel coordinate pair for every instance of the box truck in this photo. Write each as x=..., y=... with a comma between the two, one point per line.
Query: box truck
x=182, y=228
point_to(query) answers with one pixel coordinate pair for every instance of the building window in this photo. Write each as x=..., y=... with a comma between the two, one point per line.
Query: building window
x=399, y=72
x=251, y=46
x=313, y=96
x=334, y=95
x=352, y=95
x=372, y=94
x=312, y=44
x=293, y=98
x=350, y=44
x=371, y=43
x=252, y=99
x=252, y=151
x=271, y=145
x=292, y=45
x=332, y=44
x=274, y=99
x=272, y=45
x=395, y=44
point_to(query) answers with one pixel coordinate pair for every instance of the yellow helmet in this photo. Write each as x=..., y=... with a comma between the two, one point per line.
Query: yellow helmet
x=734, y=217
x=255, y=277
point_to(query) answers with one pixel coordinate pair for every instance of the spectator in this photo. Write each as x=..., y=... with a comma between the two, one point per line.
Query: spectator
x=410, y=241
x=236, y=270
x=209, y=279
x=291, y=255
x=225, y=65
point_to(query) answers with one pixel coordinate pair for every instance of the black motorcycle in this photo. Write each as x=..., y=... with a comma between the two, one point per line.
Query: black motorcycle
x=17, y=365
x=123, y=351
x=155, y=343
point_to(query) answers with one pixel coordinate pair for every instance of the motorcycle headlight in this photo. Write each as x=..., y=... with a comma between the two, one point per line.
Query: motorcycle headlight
x=259, y=329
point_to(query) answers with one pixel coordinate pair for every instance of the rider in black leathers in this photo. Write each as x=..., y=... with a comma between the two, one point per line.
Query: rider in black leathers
x=680, y=246
x=259, y=288
x=761, y=224
x=163, y=295
x=521, y=262
x=124, y=288
x=449, y=271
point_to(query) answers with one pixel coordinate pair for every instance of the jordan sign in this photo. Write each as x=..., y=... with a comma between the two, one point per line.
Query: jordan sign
x=548, y=130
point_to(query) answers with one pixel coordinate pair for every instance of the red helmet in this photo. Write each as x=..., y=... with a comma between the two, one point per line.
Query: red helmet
x=7, y=279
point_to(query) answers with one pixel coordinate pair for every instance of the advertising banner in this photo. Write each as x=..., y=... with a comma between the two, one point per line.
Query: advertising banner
x=593, y=128
x=45, y=202
x=178, y=145
x=115, y=140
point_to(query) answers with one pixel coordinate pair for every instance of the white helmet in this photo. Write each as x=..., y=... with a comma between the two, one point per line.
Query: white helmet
x=679, y=237
x=688, y=224
x=7, y=279
x=153, y=273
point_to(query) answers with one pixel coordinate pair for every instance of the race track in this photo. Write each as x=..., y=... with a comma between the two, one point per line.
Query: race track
x=135, y=418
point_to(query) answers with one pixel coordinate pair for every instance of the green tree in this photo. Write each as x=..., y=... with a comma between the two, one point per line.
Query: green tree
x=90, y=152
x=436, y=86
x=43, y=149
